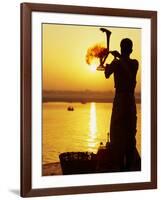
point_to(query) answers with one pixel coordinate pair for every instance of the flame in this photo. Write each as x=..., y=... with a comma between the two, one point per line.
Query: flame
x=97, y=51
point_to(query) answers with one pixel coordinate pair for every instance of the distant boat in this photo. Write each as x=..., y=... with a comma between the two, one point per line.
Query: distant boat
x=70, y=108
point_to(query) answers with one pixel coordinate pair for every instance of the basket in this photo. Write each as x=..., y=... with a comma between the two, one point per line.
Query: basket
x=78, y=162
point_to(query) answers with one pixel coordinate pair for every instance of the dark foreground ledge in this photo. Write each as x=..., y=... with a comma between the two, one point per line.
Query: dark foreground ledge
x=51, y=169
x=81, y=166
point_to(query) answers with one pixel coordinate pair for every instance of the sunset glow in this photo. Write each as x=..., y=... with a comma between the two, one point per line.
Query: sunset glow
x=77, y=99
x=93, y=67
x=65, y=49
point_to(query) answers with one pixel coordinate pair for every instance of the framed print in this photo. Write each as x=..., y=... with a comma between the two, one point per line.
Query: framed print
x=88, y=99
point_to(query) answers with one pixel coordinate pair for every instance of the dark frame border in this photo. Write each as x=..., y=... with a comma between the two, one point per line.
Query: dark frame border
x=26, y=96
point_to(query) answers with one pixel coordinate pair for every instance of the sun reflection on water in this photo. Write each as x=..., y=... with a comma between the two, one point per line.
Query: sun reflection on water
x=92, y=127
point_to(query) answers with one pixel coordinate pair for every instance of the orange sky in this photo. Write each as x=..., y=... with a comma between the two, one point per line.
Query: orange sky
x=64, y=56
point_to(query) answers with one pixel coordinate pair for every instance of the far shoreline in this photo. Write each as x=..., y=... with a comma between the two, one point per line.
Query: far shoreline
x=85, y=96
x=138, y=101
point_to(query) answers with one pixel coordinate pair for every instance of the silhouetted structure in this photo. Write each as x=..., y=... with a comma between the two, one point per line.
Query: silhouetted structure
x=124, y=118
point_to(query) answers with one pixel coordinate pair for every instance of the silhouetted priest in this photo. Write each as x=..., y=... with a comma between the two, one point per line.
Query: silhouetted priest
x=123, y=118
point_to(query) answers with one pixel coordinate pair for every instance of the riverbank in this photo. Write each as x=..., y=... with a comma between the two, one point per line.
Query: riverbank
x=86, y=96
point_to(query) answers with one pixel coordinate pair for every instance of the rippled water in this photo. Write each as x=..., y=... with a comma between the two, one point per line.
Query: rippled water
x=80, y=130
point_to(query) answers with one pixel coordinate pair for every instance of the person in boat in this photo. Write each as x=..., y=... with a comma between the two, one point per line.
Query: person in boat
x=124, y=116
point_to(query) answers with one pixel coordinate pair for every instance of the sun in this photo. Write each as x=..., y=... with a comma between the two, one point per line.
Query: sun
x=93, y=67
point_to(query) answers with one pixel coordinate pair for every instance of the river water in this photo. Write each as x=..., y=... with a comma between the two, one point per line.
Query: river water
x=80, y=130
